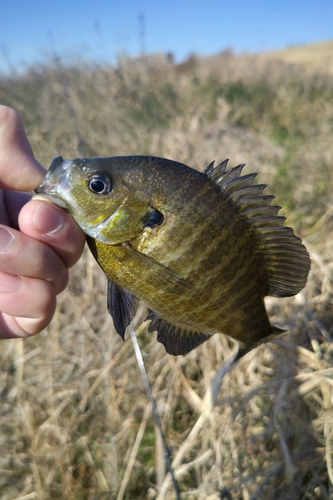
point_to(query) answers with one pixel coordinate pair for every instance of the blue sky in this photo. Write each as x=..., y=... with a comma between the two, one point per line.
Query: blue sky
x=103, y=29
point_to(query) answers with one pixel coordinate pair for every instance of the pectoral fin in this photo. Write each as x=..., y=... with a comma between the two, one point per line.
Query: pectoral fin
x=121, y=307
x=149, y=270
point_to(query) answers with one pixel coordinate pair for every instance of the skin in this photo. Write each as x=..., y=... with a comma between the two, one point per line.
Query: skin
x=39, y=241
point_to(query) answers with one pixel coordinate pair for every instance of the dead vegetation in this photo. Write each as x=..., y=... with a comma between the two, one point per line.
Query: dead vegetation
x=75, y=422
x=318, y=56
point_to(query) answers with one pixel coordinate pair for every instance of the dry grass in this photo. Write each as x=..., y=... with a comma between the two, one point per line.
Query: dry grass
x=318, y=56
x=75, y=423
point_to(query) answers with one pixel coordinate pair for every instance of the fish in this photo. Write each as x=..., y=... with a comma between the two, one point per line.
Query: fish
x=200, y=249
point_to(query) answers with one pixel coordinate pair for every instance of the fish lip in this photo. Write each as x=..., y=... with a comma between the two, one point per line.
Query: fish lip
x=49, y=187
x=56, y=201
x=48, y=191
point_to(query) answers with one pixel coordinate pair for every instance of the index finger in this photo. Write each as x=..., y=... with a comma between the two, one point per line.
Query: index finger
x=19, y=169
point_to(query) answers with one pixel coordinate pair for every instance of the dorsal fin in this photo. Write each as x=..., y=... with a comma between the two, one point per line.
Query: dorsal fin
x=287, y=262
x=209, y=168
x=216, y=172
x=176, y=339
x=228, y=176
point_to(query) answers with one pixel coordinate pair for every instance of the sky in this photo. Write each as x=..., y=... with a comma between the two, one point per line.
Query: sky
x=100, y=30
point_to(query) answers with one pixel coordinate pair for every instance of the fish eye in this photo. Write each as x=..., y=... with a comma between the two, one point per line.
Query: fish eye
x=99, y=184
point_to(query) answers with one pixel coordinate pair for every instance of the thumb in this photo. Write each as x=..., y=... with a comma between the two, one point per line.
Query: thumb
x=19, y=169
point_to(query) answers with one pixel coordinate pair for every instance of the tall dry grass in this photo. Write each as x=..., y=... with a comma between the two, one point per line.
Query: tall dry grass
x=75, y=422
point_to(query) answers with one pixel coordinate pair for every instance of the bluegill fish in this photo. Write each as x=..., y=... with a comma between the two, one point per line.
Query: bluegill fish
x=201, y=249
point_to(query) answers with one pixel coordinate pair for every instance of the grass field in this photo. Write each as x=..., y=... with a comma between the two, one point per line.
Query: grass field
x=74, y=417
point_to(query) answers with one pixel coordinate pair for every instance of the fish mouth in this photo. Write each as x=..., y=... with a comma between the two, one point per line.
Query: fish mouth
x=57, y=201
x=48, y=191
x=56, y=176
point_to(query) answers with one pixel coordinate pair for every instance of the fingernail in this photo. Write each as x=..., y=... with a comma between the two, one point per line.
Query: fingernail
x=6, y=239
x=47, y=218
x=9, y=283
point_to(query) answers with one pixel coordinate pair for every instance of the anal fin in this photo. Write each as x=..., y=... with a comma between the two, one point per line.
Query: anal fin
x=176, y=339
x=121, y=307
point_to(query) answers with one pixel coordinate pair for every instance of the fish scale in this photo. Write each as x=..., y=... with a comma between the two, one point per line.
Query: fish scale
x=223, y=241
x=201, y=249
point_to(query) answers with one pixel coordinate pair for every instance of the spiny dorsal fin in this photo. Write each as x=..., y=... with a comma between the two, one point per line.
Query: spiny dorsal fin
x=176, y=339
x=219, y=170
x=286, y=260
x=121, y=307
x=229, y=176
x=209, y=168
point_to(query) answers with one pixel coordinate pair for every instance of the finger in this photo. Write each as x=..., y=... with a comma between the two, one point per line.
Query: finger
x=21, y=255
x=28, y=308
x=19, y=169
x=54, y=226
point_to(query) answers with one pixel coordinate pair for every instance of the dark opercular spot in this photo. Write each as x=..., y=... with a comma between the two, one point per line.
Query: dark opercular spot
x=153, y=218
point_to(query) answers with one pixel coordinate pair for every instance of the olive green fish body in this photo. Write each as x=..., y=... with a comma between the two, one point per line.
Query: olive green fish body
x=209, y=308
x=202, y=250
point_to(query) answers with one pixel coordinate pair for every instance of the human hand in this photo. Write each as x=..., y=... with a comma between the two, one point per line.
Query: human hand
x=39, y=241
